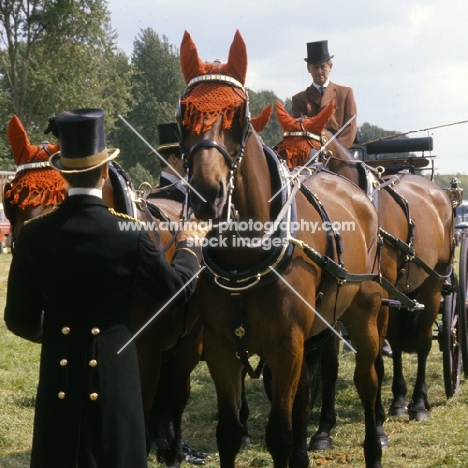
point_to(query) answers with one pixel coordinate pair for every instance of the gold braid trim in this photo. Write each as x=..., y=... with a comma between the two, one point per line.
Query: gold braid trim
x=40, y=216
x=124, y=216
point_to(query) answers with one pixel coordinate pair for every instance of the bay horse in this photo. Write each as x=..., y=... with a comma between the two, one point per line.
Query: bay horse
x=171, y=346
x=269, y=281
x=416, y=226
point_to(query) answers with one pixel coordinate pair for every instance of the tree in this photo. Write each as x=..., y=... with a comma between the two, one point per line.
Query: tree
x=368, y=133
x=156, y=87
x=273, y=133
x=57, y=55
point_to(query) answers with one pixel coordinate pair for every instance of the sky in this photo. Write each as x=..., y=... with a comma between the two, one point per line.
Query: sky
x=407, y=61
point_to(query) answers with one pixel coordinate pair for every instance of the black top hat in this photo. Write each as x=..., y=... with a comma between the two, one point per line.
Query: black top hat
x=167, y=134
x=81, y=140
x=317, y=52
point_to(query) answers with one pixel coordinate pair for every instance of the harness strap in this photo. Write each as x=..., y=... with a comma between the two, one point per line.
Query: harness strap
x=154, y=233
x=240, y=332
x=343, y=276
x=409, y=251
x=315, y=202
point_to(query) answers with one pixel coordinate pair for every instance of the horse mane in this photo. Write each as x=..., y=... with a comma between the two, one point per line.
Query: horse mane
x=32, y=188
x=296, y=149
x=205, y=102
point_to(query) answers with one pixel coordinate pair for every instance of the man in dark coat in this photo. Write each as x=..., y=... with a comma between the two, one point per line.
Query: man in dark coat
x=70, y=287
x=173, y=172
x=322, y=91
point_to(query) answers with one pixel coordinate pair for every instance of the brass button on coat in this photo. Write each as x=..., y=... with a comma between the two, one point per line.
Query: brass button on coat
x=93, y=396
x=93, y=363
x=63, y=362
x=65, y=330
x=61, y=395
x=95, y=331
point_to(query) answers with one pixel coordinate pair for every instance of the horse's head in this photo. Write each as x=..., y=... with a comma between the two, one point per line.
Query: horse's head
x=215, y=124
x=302, y=135
x=36, y=187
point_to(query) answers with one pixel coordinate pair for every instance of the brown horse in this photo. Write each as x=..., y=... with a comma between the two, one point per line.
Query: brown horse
x=416, y=225
x=170, y=347
x=269, y=279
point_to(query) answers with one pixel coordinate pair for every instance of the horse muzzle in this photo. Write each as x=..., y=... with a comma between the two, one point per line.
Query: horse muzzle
x=208, y=202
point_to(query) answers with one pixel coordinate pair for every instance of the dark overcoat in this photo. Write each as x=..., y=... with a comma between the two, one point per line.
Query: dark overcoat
x=169, y=190
x=309, y=103
x=70, y=287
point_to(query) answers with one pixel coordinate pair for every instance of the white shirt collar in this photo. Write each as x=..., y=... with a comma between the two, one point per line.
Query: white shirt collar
x=85, y=191
x=324, y=85
x=170, y=177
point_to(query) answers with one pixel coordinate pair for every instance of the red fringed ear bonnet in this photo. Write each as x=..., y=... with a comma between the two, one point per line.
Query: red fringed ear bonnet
x=297, y=148
x=206, y=102
x=33, y=187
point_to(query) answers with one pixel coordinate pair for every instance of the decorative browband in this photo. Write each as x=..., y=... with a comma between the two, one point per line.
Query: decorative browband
x=312, y=136
x=215, y=77
x=33, y=165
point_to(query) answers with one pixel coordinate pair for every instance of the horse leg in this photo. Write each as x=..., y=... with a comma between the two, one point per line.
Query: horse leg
x=328, y=354
x=244, y=412
x=285, y=435
x=299, y=457
x=379, y=409
x=382, y=323
x=399, y=388
x=149, y=359
x=361, y=322
x=400, y=337
x=226, y=372
x=161, y=420
x=172, y=397
x=431, y=292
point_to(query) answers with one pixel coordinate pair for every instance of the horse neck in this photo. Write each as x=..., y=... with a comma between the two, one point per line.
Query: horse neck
x=252, y=183
x=343, y=163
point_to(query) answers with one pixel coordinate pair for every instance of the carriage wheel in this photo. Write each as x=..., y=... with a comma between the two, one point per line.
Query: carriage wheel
x=463, y=287
x=450, y=344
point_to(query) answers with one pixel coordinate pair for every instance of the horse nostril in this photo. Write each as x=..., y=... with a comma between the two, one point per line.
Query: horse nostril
x=207, y=194
x=214, y=193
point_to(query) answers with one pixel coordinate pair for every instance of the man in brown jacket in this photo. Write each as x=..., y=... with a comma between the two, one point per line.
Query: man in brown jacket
x=313, y=99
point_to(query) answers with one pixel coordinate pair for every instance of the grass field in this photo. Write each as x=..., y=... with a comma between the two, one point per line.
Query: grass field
x=442, y=441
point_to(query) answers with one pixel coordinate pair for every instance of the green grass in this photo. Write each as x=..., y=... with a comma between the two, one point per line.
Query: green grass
x=442, y=441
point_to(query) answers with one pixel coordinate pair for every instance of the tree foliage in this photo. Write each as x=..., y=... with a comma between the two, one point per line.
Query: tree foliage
x=57, y=55
x=156, y=86
x=273, y=133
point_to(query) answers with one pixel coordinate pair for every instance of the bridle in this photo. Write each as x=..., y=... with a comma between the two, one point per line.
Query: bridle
x=232, y=162
x=36, y=163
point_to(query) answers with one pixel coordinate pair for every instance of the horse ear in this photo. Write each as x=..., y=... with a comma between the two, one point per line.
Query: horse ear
x=259, y=121
x=285, y=120
x=19, y=141
x=237, y=59
x=190, y=62
x=319, y=122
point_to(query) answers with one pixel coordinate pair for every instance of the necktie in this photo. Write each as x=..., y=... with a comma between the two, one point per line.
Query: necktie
x=322, y=90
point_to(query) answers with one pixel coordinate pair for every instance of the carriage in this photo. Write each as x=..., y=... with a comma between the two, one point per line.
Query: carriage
x=390, y=156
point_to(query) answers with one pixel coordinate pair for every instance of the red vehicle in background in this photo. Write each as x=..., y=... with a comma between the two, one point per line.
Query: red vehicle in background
x=5, y=228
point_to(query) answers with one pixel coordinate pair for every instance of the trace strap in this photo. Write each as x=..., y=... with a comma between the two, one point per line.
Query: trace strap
x=342, y=275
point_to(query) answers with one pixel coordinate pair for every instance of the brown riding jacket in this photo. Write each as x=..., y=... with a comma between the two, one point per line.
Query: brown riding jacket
x=309, y=103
